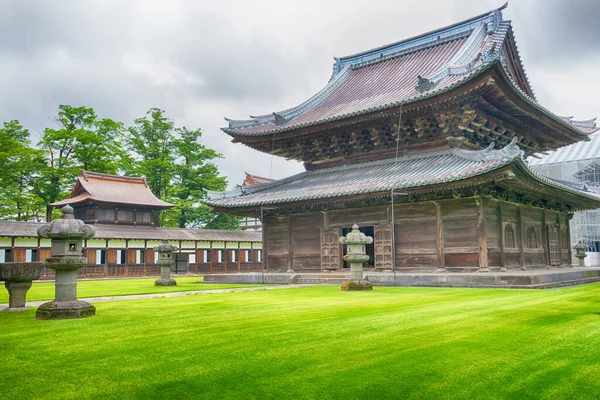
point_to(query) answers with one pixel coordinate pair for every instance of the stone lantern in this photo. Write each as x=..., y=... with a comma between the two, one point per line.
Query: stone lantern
x=165, y=262
x=356, y=255
x=67, y=234
x=580, y=253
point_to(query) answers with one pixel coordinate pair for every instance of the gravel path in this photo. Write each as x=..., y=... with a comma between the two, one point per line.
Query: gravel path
x=172, y=294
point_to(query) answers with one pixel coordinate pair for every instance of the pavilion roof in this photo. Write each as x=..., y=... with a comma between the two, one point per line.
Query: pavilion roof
x=114, y=189
x=407, y=72
x=414, y=173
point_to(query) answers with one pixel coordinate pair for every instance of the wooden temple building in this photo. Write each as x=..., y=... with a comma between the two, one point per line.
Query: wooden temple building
x=125, y=215
x=421, y=143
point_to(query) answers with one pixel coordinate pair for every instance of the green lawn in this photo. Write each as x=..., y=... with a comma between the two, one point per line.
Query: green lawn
x=119, y=287
x=315, y=342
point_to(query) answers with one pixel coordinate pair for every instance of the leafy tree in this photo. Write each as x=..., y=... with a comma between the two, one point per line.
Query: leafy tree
x=20, y=168
x=223, y=221
x=178, y=169
x=194, y=174
x=80, y=141
x=151, y=140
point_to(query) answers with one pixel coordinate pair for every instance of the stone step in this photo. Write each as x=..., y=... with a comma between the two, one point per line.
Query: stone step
x=322, y=281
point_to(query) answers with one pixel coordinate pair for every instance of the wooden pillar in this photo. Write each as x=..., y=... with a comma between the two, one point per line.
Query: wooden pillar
x=239, y=257
x=290, y=254
x=568, y=218
x=226, y=258
x=560, y=243
x=545, y=242
x=212, y=256
x=265, y=264
x=520, y=239
x=439, y=230
x=500, y=236
x=481, y=237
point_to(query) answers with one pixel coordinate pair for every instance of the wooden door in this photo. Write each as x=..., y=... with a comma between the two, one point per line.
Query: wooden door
x=383, y=246
x=330, y=249
x=554, y=246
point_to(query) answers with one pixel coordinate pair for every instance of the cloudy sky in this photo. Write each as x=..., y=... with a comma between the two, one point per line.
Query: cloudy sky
x=204, y=60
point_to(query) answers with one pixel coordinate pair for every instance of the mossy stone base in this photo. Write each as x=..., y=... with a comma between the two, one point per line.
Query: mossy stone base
x=165, y=282
x=65, y=310
x=355, y=285
x=15, y=309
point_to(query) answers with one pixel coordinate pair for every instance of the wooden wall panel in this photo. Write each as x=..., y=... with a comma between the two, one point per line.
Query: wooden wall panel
x=277, y=242
x=408, y=261
x=512, y=258
x=199, y=256
x=44, y=254
x=149, y=256
x=365, y=216
x=90, y=254
x=534, y=259
x=460, y=224
x=493, y=259
x=416, y=234
x=490, y=209
x=130, y=256
x=18, y=255
x=306, y=241
x=509, y=212
x=464, y=260
x=415, y=228
x=111, y=256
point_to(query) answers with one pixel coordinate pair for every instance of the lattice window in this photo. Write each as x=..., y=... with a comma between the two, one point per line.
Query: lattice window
x=509, y=236
x=532, y=241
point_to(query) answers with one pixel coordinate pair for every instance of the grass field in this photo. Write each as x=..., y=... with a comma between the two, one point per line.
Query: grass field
x=119, y=287
x=315, y=342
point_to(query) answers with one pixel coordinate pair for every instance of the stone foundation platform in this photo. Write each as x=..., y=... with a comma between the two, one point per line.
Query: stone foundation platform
x=65, y=310
x=533, y=279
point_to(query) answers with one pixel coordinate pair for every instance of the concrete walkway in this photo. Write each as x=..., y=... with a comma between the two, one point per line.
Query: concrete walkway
x=171, y=294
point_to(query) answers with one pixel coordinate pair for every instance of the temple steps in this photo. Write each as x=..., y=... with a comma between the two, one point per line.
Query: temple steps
x=532, y=279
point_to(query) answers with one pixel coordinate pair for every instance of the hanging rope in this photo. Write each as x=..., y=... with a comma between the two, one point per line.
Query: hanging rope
x=398, y=133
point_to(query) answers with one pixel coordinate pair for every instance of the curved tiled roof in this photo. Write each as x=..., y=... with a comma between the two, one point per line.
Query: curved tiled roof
x=409, y=172
x=115, y=189
x=580, y=151
x=386, y=77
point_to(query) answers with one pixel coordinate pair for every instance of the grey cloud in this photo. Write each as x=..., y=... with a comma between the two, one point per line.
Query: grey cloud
x=557, y=31
x=202, y=61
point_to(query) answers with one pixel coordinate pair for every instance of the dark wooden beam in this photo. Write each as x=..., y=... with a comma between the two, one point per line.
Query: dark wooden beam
x=520, y=239
x=500, y=235
x=481, y=236
x=290, y=247
x=439, y=230
x=568, y=218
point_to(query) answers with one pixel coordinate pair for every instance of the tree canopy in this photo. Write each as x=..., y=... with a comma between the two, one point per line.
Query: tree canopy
x=178, y=167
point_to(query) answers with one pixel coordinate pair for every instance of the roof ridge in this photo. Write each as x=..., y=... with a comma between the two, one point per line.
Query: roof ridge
x=100, y=175
x=495, y=13
x=344, y=65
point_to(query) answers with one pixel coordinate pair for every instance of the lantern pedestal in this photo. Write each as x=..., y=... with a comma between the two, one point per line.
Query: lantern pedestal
x=165, y=277
x=580, y=253
x=67, y=234
x=165, y=262
x=355, y=242
x=65, y=304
